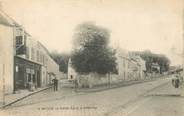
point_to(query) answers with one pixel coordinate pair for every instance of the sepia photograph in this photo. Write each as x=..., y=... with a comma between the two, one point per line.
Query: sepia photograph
x=91, y=57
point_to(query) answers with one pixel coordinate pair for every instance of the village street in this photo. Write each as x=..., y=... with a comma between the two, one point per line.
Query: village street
x=92, y=58
x=142, y=99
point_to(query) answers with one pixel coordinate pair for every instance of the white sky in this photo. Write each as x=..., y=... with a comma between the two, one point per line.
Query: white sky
x=134, y=24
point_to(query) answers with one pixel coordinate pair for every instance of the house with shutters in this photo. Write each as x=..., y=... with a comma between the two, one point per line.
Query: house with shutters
x=23, y=59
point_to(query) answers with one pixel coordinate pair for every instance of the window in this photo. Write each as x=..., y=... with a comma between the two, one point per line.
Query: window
x=44, y=59
x=32, y=54
x=27, y=52
x=29, y=77
x=41, y=58
x=34, y=78
x=19, y=40
x=38, y=56
x=71, y=76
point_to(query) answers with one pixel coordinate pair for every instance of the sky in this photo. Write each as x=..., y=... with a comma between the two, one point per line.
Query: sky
x=135, y=25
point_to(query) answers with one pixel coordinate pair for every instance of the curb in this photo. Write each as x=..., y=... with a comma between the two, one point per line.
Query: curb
x=19, y=99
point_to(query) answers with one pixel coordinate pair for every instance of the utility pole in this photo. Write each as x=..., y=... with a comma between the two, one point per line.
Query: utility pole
x=3, y=84
x=3, y=76
x=182, y=88
x=183, y=38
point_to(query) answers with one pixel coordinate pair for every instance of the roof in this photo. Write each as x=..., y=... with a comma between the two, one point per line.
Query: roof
x=6, y=20
x=46, y=50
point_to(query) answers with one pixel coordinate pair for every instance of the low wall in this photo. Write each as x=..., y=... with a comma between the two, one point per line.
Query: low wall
x=91, y=80
x=94, y=79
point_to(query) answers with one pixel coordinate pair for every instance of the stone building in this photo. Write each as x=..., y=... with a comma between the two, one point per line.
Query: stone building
x=22, y=58
x=130, y=67
x=72, y=74
x=122, y=63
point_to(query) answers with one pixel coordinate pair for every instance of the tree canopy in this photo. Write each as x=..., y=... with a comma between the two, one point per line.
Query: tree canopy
x=92, y=52
x=151, y=58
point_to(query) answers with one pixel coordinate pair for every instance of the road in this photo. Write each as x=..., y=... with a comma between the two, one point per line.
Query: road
x=156, y=98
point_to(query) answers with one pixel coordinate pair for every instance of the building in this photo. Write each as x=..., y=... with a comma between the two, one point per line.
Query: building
x=140, y=66
x=130, y=67
x=23, y=59
x=175, y=69
x=122, y=63
x=72, y=74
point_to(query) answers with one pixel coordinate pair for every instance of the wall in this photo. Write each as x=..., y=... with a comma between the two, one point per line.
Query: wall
x=6, y=57
x=123, y=64
x=92, y=79
x=52, y=66
x=43, y=76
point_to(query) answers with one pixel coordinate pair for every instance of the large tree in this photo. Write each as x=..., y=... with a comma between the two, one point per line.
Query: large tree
x=92, y=52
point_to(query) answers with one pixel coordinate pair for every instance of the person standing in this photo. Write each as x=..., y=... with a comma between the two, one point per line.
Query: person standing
x=55, y=82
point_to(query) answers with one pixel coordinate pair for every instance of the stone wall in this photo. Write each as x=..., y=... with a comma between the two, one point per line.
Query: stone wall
x=94, y=79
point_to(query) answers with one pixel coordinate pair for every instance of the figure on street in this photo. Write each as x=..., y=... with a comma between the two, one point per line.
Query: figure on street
x=55, y=82
x=176, y=81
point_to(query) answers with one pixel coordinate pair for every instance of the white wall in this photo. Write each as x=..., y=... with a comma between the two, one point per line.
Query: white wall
x=52, y=66
x=71, y=71
x=43, y=76
x=122, y=63
x=6, y=57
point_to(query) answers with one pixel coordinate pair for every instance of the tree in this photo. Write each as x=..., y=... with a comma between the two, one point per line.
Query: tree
x=163, y=62
x=151, y=58
x=61, y=59
x=92, y=52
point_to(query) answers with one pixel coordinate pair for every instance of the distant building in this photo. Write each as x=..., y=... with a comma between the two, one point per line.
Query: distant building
x=130, y=67
x=175, y=69
x=72, y=74
x=140, y=64
x=122, y=63
x=22, y=58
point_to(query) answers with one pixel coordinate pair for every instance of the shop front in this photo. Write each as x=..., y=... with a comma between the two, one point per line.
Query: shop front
x=26, y=73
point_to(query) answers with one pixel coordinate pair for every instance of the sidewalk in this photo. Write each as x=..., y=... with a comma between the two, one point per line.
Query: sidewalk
x=13, y=98
x=46, y=96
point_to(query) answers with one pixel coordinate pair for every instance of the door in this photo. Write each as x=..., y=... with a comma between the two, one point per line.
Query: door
x=19, y=80
x=38, y=78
